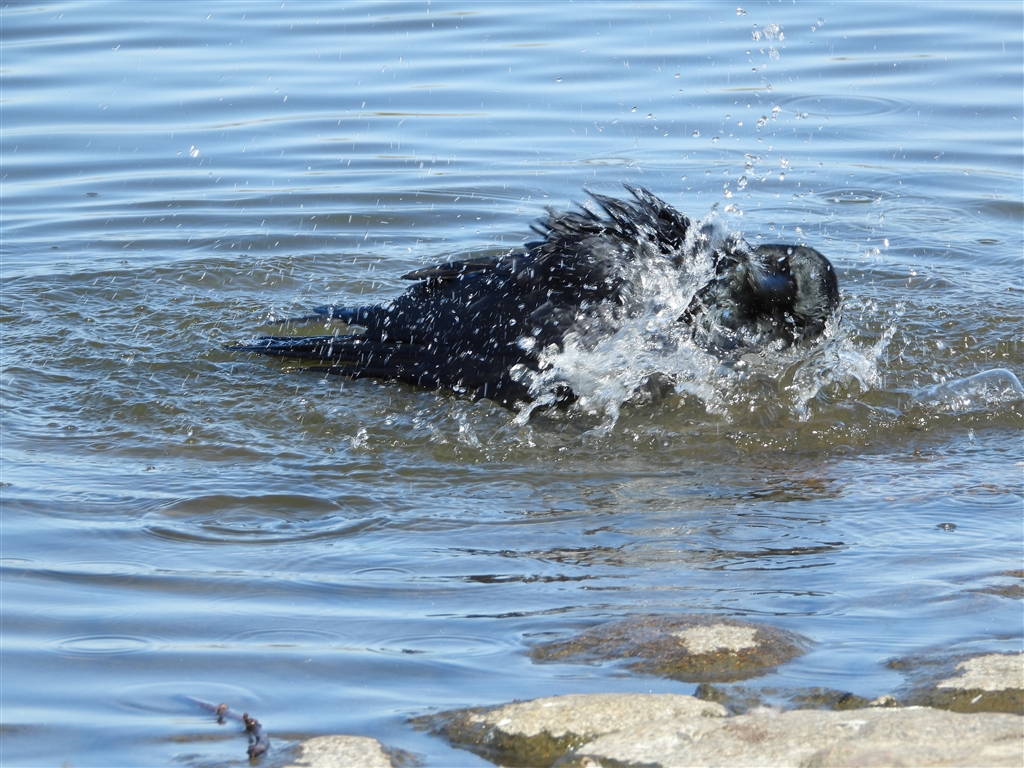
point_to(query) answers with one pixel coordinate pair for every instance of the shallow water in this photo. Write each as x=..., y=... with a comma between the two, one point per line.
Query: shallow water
x=336, y=556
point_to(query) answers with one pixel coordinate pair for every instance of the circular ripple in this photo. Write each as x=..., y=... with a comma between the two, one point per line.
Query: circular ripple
x=288, y=638
x=925, y=215
x=462, y=646
x=103, y=645
x=380, y=572
x=180, y=696
x=259, y=530
x=842, y=106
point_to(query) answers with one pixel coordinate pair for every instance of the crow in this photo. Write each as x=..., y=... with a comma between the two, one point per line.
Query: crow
x=478, y=326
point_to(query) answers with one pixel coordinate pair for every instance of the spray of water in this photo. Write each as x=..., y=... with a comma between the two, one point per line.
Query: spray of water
x=982, y=390
x=639, y=350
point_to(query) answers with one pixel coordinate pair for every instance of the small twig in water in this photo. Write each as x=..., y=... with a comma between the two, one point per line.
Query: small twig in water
x=258, y=741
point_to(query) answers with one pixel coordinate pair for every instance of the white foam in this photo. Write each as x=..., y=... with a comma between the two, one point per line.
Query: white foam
x=634, y=352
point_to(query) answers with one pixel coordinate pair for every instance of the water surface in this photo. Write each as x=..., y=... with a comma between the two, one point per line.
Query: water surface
x=336, y=556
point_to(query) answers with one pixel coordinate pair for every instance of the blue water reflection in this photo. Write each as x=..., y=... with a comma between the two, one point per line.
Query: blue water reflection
x=332, y=556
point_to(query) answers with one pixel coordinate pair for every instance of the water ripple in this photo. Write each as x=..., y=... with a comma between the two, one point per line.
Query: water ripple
x=103, y=645
x=443, y=644
x=834, y=106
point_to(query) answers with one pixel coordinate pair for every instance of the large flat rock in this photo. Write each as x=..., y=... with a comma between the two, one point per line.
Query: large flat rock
x=915, y=736
x=538, y=732
x=668, y=730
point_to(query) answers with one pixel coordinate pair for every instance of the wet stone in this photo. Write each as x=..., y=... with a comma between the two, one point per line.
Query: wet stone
x=827, y=698
x=865, y=737
x=348, y=751
x=988, y=683
x=538, y=733
x=691, y=648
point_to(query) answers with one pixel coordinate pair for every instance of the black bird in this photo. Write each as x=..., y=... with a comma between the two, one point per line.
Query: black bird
x=478, y=326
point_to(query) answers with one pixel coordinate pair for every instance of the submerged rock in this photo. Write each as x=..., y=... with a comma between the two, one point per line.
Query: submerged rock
x=537, y=733
x=827, y=698
x=740, y=700
x=736, y=699
x=337, y=751
x=691, y=648
x=1010, y=584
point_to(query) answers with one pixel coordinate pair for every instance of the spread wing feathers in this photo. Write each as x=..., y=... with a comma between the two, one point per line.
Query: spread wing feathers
x=579, y=248
x=578, y=261
x=466, y=324
x=589, y=251
x=477, y=325
x=649, y=219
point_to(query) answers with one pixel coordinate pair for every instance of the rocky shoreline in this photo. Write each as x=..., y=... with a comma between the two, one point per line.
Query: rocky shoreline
x=954, y=711
x=666, y=730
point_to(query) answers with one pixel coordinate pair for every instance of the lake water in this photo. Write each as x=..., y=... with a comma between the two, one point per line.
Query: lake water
x=334, y=556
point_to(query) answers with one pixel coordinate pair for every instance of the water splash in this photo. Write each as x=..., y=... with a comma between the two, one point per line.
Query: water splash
x=839, y=360
x=980, y=391
x=640, y=352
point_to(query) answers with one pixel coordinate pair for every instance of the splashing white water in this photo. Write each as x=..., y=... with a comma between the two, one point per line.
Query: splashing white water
x=639, y=351
x=839, y=359
x=982, y=390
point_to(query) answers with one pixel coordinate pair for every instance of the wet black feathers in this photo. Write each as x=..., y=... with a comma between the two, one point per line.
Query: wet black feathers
x=476, y=325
